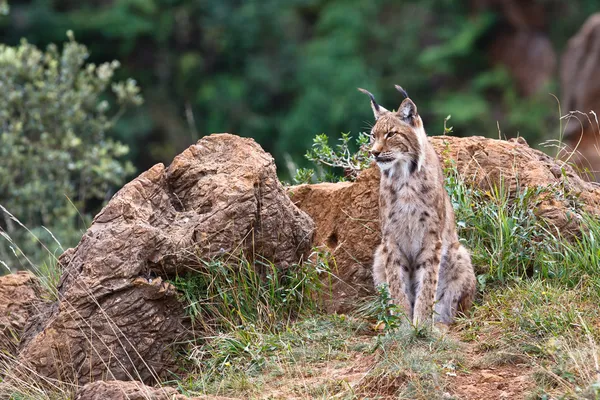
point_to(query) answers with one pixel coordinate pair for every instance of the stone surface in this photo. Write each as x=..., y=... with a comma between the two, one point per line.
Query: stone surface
x=346, y=214
x=20, y=297
x=117, y=318
x=347, y=224
x=580, y=90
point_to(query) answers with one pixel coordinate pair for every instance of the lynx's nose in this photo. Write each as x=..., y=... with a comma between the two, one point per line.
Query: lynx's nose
x=375, y=153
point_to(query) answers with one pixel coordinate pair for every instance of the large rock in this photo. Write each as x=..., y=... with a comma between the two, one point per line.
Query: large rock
x=347, y=214
x=20, y=297
x=347, y=225
x=580, y=88
x=117, y=317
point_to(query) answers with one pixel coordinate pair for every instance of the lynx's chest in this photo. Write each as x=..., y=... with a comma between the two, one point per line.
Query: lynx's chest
x=406, y=217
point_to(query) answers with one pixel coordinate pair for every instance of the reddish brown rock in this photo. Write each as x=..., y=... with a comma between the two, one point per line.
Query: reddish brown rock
x=20, y=297
x=580, y=89
x=347, y=217
x=117, y=317
x=518, y=14
x=488, y=162
x=347, y=224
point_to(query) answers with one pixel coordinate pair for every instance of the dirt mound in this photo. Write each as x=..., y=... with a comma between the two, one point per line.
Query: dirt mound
x=347, y=223
x=347, y=214
x=506, y=382
x=117, y=317
x=119, y=390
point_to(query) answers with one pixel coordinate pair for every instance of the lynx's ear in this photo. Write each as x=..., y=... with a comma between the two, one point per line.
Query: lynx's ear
x=408, y=112
x=378, y=111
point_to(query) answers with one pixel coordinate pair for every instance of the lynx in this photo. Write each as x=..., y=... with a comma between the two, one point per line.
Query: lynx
x=427, y=270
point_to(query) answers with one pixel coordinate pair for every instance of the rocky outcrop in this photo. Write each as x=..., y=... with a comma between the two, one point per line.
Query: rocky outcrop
x=580, y=89
x=20, y=297
x=119, y=390
x=487, y=163
x=117, y=317
x=347, y=216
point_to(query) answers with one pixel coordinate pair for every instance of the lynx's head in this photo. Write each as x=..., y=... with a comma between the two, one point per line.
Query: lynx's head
x=398, y=137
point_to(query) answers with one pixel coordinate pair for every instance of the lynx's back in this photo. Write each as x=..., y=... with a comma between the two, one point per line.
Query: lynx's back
x=420, y=257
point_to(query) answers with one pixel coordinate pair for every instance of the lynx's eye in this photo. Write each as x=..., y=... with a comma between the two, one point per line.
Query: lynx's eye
x=389, y=135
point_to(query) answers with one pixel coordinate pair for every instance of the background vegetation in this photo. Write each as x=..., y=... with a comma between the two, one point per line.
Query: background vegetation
x=278, y=71
x=284, y=71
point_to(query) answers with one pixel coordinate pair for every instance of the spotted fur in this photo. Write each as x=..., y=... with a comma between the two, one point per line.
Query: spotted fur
x=427, y=270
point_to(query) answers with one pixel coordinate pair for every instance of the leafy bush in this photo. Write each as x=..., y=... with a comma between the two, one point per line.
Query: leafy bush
x=55, y=156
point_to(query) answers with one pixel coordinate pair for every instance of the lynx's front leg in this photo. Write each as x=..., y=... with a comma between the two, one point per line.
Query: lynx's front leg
x=425, y=280
x=389, y=268
x=379, y=261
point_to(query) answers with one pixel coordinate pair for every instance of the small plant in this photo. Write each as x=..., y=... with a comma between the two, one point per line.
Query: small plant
x=387, y=316
x=331, y=161
x=447, y=129
x=390, y=316
x=501, y=228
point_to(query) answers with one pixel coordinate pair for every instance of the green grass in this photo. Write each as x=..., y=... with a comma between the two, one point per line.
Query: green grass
x=410, y=366
x=538, y=289
x=322, y=357
x=249, y=362
x=509, y=241
x=230, y=292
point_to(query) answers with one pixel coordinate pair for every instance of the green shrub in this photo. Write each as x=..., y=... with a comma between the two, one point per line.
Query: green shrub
x=335, y=163
x=55, y=156
x=231, y=292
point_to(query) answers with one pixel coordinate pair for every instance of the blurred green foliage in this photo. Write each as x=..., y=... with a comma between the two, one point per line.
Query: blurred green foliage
x=284, y=71
x=56, y=157
x=278, y=71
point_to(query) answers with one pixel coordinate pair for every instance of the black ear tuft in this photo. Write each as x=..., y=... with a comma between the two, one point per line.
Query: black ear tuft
x=373, y=102
x=377, y=109
x=401, y=90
